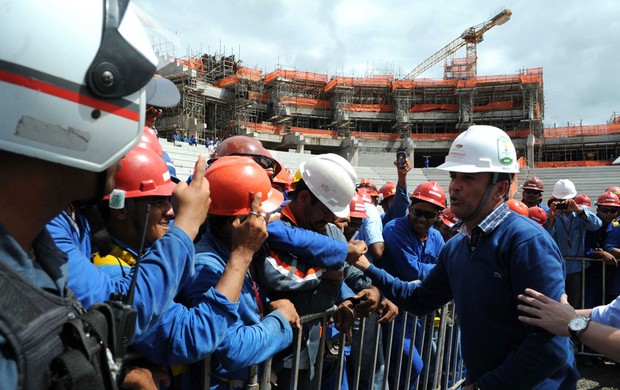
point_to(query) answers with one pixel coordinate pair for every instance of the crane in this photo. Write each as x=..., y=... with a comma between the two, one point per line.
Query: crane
x=470, y=37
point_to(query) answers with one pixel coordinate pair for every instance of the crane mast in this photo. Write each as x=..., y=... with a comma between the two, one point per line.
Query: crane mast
x=469, y=38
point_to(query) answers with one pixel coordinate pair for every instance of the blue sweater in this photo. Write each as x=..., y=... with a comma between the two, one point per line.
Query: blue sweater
x=405, y=255
x=499, y=351
x=250, y=340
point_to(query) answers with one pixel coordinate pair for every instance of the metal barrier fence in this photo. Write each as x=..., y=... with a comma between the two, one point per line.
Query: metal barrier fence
x=435, y=336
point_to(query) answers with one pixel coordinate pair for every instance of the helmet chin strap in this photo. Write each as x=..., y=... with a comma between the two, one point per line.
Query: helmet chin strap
x=485, y=197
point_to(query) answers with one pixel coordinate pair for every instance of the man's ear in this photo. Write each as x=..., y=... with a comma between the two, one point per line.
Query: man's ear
x=501, y=189
x=119, y=214
x=304, y=197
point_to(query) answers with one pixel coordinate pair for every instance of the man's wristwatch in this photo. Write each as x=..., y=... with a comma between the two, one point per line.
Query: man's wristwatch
x=577, y=325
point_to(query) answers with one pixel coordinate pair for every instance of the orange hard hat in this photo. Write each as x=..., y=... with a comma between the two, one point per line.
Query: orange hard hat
x=583, y=200
x=448, y=217
x=430, y=192
x=283, y=177
x=143, y=173
x=357, y=207
x=234, y=180
x=537, y=214
x=149, y=141
x=518, y=207
x=368, y=186
x=242, y=145
x=608, y=198
x=387, y=190
x=534, y=183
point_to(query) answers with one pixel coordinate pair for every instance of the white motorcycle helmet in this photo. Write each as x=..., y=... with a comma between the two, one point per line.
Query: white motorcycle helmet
x=72, y=78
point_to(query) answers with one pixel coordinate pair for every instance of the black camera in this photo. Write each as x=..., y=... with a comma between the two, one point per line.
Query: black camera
x=561, y=205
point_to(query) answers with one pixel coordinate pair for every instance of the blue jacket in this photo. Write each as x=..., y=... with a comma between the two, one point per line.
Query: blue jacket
x=569, y=232
x=499, y=351
x=251, y=340
x=399, y=205
x=91, y=285
x=406, y=256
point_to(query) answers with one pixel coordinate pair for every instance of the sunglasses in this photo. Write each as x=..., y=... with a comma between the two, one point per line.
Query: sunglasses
x=531, y=192
x=423, y=213
x=607, y=210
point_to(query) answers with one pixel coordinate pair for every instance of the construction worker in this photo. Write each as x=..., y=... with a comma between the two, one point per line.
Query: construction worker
x=398, y=207
x=607, y=207
x=485, y=267
x=371, y=231
x=63, y=130
x=412, y=249
x=242, y=145
x=532, y=194
x=237, y=228
x=445, y=224
x=568, y=223
x=323, y=193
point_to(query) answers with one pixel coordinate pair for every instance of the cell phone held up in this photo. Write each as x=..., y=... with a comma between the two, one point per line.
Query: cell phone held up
x=401, y=159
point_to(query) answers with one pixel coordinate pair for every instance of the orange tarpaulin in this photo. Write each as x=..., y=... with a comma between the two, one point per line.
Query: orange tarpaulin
x=572, y=131
x=433, y=107
x=374, y=81
x=259, y=97
x=564, y=164
x=306, y=102
x=296, y=75
x=368, y=107
x=503, y=105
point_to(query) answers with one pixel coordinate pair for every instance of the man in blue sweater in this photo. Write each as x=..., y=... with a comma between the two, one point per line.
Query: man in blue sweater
x=496, y=255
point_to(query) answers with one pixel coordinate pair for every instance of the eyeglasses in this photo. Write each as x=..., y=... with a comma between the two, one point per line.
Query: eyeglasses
x=607, y=210
x=423, y=213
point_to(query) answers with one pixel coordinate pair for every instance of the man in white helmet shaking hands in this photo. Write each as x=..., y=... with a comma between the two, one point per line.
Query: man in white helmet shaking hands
x=496, y=255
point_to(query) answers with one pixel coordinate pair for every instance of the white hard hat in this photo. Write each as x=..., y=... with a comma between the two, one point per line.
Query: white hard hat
x=332, y=180
x=564, y=189
x=73, y=78
x=481, y=149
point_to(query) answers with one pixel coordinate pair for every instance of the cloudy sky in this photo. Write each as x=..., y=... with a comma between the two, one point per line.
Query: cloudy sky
x=576, y=42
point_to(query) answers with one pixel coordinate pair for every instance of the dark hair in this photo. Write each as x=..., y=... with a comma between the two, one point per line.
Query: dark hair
x=301, y=186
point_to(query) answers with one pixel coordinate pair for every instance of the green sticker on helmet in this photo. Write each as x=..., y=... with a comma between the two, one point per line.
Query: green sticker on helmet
x=504, y=151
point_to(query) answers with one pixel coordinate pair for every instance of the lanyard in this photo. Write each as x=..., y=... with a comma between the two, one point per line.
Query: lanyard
x=568, y=232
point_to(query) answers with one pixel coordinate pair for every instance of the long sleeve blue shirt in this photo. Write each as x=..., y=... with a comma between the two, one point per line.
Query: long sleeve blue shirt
x=569, y=232
x=406, y=256
x=251, y=340
x=499, y=351
x=166, y=265
x=399, y=206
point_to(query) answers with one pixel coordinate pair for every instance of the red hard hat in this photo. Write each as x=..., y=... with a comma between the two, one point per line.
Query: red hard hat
x=534, y=183
x=149, y=141
x=583, y=200
x=608, y=198
x=144, y=173
x=357, y=207
x=614, y=189
x=518, y=207
x=387, y=190
x=430, y=192
x=448, y=217
x=369, y=187
x=537, y=214
x=242, y=145
x=233, y=181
